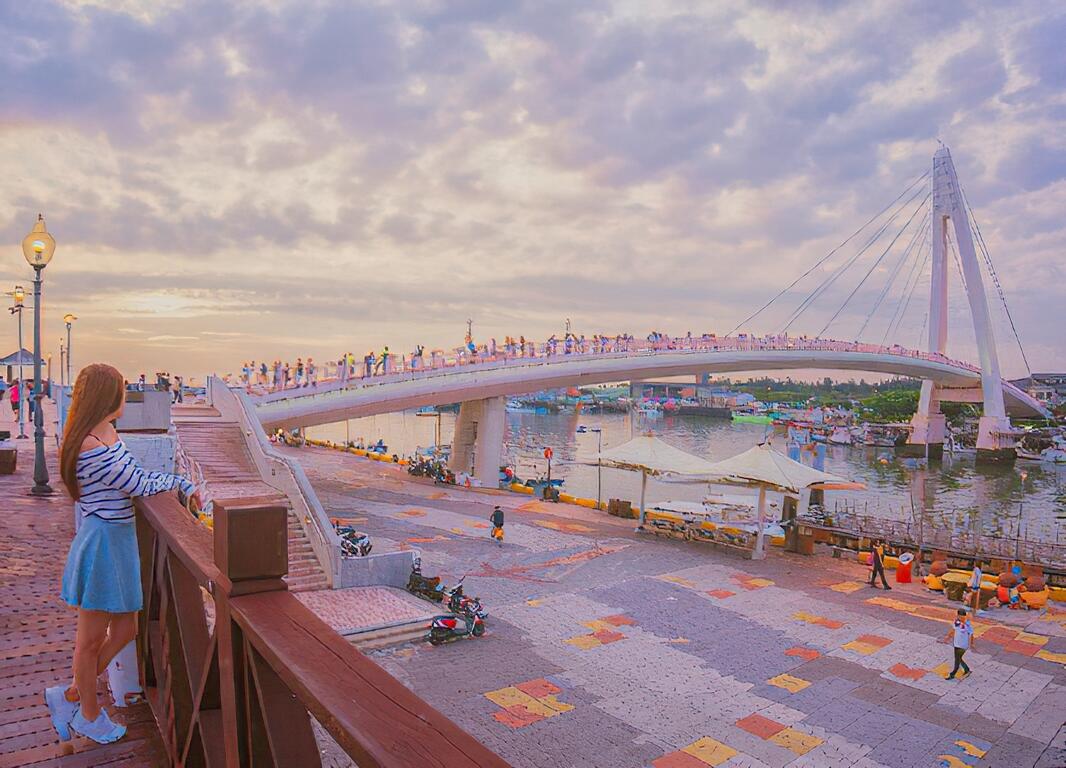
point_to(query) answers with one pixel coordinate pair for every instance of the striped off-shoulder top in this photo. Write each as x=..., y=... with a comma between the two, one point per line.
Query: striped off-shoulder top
x=109, y=477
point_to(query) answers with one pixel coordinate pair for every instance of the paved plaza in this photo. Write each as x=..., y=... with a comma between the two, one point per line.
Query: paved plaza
x=610, y=649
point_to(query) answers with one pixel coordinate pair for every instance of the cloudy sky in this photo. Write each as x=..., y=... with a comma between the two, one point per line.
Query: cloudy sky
x=233, y=180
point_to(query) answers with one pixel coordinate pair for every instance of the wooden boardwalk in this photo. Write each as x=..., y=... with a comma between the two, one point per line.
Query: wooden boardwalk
x=37, y=634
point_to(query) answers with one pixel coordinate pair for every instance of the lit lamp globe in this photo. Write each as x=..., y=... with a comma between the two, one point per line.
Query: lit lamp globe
x=38, y=246
x=69, y=318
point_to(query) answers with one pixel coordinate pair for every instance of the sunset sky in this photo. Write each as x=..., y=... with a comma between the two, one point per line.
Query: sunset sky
x=236, y=180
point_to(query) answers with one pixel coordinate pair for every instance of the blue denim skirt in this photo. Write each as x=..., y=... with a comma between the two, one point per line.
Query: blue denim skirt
x=103, y=570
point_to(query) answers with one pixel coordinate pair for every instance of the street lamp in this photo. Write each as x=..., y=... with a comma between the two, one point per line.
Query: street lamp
x=19, y=297
x=62, y=358
x=69, y=320
x=38, y=247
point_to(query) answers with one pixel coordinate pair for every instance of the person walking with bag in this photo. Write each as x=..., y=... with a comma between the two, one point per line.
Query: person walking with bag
x=102, y=578
x=877, y=557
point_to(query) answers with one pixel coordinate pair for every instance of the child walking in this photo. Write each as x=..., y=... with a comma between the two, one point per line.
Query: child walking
x=961, y=636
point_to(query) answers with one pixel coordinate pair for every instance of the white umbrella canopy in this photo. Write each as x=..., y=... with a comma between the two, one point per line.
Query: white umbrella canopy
x=763, y=465
x=649, y=455
x=766, y=468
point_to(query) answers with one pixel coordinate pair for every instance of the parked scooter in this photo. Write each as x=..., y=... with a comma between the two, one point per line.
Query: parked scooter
x=428, y=587
x=353, y=543
x=445, y=629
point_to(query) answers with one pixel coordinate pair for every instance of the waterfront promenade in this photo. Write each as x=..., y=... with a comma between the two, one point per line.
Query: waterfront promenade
x=37, y=634
x=605, y=648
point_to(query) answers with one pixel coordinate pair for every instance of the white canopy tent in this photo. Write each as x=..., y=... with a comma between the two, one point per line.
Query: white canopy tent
x=766, y=468
x=649, y=455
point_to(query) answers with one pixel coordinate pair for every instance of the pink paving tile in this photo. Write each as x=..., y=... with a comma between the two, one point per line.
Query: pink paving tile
x=606, y=636
x=877, y=640
x=538, y=688
x=910, y=673
x=1022, y=647
x=803, y=653
x=721, y=594
x=361, y=607
x=763, y=727
x=678, y=760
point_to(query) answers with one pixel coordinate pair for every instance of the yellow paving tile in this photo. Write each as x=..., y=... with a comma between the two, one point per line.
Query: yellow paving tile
x=950, y=761
x=534, y=602
x=795, y=741
x=760, y=582
x=859, y=647
x=710, y=751
x=1058, y=658
x=970, y=749
x=598, y=624
x=679, y=580
x=846, y=587
x=584, y=642
x=1028, y=637
x=508, y=697
x=551, y=702
x=790, y=683
x=943, y=669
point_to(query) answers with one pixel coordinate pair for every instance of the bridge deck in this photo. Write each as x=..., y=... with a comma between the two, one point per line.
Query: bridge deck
x=37, y=634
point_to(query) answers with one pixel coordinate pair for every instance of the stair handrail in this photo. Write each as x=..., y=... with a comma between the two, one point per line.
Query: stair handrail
x=313, y=518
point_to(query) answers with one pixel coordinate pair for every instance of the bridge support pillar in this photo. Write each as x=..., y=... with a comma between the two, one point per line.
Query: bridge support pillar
x=477, y=445
x=995, y=439
x=928, y=426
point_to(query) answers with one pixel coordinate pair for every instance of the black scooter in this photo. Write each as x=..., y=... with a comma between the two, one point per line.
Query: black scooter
x=428, y=587
x=446, y=629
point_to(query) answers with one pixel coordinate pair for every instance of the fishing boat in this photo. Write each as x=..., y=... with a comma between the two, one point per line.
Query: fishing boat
x=884, y=435
x=839, y=436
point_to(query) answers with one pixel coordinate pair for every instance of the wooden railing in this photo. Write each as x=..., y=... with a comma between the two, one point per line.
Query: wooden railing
x=234, y=666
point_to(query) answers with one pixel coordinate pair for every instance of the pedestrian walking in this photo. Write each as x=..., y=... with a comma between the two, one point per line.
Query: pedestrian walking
x=16, y=389
x=974, y=588
x=961, y=636
x=383, y=362
x=877, y=557
x=497, y=524
x=102, y=578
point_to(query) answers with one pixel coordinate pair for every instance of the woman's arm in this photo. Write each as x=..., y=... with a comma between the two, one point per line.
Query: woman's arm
x=127, y=476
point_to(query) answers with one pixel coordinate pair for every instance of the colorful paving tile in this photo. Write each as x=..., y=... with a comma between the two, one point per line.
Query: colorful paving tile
x=603, y=632
x=963, y=754
x=797, y=742
x=527, y=703
x=867, y=644
x=803, y=653
x=763, y=727
x=1058, y=658
x=709, y=751
x=751, y=582
x=847, y=587
x=721, y=594
x=821, y=621
x=679, y=580
x=564, y=527
x=678, y=760
x=790, y=683
x=908, y=673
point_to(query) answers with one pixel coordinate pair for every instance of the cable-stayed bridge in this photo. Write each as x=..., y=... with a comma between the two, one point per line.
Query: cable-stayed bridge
x=918, y=235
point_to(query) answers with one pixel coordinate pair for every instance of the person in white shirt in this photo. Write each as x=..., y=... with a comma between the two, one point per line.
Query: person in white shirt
x=961, y=636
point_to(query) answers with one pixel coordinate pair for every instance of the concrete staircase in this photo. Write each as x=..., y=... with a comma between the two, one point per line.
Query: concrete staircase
x=220, y=451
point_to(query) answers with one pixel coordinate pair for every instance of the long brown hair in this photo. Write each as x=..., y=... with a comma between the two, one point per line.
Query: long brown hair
x=98, y=393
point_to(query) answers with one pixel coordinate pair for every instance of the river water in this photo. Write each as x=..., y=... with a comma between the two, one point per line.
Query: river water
x=1026, y=496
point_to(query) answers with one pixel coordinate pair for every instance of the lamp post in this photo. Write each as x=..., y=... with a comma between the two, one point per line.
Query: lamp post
x=62, y=358
x=69, y=320
x=38, y=247
x=49, y=369
x=19, y=296
x=599, y=465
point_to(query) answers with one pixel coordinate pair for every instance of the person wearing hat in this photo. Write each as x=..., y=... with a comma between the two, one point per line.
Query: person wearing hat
x=961, y=636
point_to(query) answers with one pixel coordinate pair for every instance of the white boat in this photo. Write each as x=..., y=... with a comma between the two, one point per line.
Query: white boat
x=840, y=436
x=649, y=412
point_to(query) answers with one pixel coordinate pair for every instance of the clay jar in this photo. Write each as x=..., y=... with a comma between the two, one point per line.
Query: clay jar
x=1008, y=579
x=938, y=567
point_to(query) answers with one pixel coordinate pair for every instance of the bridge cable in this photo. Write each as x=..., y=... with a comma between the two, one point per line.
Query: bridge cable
x=760, y=310
x=976, y=229
x=917, y=269
x=873, y=266
x=826, y=284
x=904, y=257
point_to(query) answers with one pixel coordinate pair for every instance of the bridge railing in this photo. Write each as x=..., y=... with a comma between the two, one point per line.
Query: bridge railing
x=403, y=368
x=236, y=668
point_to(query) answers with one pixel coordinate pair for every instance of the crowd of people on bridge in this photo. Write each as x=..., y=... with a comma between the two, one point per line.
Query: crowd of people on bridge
x=282, y=375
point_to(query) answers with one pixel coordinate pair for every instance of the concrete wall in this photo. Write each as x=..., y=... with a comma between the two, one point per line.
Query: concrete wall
x=154, y=452
x=389, y=568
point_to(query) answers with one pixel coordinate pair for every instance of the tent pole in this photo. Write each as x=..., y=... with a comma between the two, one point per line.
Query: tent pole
x=760, y=545
x=643, y=487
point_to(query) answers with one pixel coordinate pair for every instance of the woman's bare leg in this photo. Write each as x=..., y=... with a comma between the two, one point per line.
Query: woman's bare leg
x=90, y=639
x=122, y=629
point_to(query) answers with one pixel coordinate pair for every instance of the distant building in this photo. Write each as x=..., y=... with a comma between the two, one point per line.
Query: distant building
x=1048, y=388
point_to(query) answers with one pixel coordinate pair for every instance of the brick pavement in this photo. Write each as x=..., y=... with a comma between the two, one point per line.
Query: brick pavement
x=610, y=649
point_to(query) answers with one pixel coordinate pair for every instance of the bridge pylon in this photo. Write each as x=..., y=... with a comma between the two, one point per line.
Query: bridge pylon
x=995, y=439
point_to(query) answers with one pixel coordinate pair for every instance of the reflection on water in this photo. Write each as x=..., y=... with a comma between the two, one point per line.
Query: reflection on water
x=1026, y=496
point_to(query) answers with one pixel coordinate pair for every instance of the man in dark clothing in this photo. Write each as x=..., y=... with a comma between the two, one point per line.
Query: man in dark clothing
x=877, y=556
x=497, y=523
